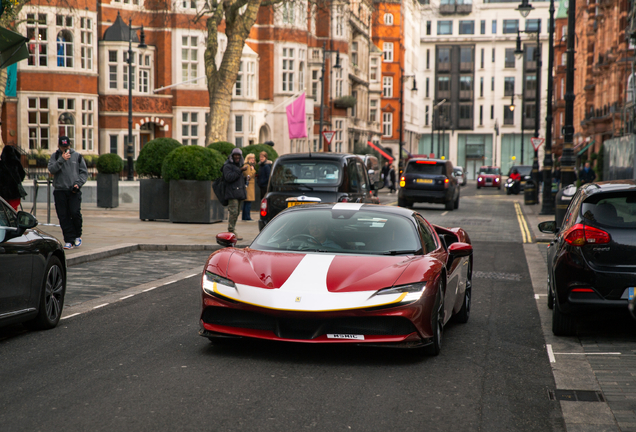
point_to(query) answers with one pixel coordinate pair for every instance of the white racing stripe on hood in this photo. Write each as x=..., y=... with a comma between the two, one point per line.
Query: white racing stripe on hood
x=306, y=290
x=347, y=206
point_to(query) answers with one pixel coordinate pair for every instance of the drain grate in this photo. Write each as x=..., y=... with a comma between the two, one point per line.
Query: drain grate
x=576, y=395
x=497, y=276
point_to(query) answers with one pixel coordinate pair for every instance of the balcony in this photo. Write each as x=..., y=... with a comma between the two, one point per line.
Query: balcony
x=443, y=94
x=466, y=66
x=466, y=94
x=465, y=123
x=443, y=67
x=530, y=94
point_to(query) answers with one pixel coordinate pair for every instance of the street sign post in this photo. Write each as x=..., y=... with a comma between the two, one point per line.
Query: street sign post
x=328, y=137
x=537, y=142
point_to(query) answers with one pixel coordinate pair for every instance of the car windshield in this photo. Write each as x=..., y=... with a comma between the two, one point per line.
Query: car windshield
x=489, y=170
x=616, y=209
x=424, y=167
x=339, y=230
x=306, y=171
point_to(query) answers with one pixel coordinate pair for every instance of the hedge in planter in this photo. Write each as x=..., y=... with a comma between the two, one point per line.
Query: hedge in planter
x=190, y=171
x=154, y=193
x=223, y=147
x=108, y=166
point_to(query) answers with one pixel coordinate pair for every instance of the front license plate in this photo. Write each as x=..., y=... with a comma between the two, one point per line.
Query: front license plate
x=345, y=336
x=630, y=295
x=295, y=203
x=427, y=181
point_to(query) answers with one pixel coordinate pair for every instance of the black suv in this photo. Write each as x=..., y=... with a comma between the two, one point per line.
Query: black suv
x=305, y=178
x=429, y=181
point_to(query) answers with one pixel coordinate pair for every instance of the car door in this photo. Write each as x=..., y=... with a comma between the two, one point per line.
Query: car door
x=353, y=179
x=16, y=261
x=365, y=183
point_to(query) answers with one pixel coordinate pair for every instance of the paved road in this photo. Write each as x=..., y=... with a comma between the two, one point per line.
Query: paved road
x=138, y=363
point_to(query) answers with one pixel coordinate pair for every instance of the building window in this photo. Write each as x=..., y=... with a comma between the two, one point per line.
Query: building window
x=387, y=86
x=189, y=4
x=126, y=76
x=339, y=20
x=144, y=73
x=339, y=82
x=387, y=51
x=301, y=69
x=373, y=110
x=564, y=59
x=466, y=27
x=338, y=137
x=315, y=82
x=508, y=115
x=510, y=58
x=373, y=70
x=492, y=84
x=38, y=123
x=428, y=28
x=354, y=94
x=481, y=115
x=465, y=112
x=190, y=128
x=426, y=88
x=86, y=43
x=443, y=84
x=238, y=141
x=238, y=84
x=531, y=86
x=66, y=126
x=112, y=69
x=481, y=86
x=238, y=123
x=492, y=112
x=426, y=115
x=354, y=53
x=288, y=69
x=65, y=49
x=189, y=58
x=483, y=55
x=509, y=86
x=251, y=124
x=564, y=33
x=533, y=25
x=510, y=26
x=288, y=13
x=483, y=27
x=388, y=19
x=38, y=39
x=114, y=139
x=387, y=124
x=428, y=58
x=493, y=55
x=494, y=26
x=444, y=28
x=87, y=124
x=563, y=89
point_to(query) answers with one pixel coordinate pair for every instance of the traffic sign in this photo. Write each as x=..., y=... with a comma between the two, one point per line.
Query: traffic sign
x=536, y=142
x=328, y=136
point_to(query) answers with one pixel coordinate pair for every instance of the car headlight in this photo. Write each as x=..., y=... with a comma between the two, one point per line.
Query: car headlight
x=211, y=279
x=479, y=179
x=413, y=291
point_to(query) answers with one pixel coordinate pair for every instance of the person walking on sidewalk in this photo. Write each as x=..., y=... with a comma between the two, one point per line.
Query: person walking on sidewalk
x=392, y=179
x=69, y=175
x=235, y=187
x=264, y=171
x=587, y=174
x=11, y=176
x=250, y=186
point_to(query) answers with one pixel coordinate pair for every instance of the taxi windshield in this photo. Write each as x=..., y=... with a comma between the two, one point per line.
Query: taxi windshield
x=310, y=172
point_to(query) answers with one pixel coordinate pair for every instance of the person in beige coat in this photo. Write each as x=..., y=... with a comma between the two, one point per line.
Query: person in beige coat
x=250, y=182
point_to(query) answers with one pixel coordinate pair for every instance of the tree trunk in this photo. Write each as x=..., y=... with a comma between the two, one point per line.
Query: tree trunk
x=221, y=80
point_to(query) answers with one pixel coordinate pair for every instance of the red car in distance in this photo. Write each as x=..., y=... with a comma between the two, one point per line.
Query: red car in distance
x=489, y=176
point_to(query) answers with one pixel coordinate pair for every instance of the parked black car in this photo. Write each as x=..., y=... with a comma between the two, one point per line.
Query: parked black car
x=591, y=260
x=305, y=178
x=430, y=181
x=32, y=272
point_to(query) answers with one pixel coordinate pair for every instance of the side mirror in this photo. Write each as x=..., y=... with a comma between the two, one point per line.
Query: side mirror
x=226, y=239
x=460, y=249
x=26, y=221
x=548, y=227
x=378, y=185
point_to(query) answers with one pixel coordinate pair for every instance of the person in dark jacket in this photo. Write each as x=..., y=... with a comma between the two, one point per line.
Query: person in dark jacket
x=587, y=174
x=69, y=175
x=264, y=171
x=235, y=190
x=392, y=179
x=11, y=176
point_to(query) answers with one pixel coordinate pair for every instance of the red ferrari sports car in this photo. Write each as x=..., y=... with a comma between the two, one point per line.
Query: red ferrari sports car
x=340, y=273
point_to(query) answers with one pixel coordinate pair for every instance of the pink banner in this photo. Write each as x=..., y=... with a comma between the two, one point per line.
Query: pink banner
x=296, y=119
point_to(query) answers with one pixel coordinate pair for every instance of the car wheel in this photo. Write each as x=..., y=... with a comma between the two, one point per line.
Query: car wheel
x=508, y=191
x=438, y=325
x=562, y=324
x=51, y=297
x=456, y=203
x=464, y=313
x=450, y=204
x=478, y=187
x=401, y=202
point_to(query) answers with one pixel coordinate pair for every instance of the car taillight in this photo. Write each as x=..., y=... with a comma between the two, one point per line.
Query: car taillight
x=402, y=182
x=264, y=207
x=580, y=235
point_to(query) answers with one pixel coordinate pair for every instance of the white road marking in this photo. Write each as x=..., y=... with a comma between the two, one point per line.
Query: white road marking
x=101, y=305
x=149, y=289
x=195, y=274
x=168, y=283
x=71, y=315
x=550, y=353
x=587, y=353
x=538, y=296
x=128, y=296
x=444, y=214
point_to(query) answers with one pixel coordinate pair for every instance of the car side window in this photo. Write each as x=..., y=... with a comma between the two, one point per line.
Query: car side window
x=428, y=240
x=571, y=212
x=362, y=178
x=354, y=183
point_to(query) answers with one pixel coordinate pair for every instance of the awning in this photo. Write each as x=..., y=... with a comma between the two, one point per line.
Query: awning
x=12, y=47
x=580, y=152
x=381, y=151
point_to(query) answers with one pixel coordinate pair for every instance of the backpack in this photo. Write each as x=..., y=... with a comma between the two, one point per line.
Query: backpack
x=219, y=186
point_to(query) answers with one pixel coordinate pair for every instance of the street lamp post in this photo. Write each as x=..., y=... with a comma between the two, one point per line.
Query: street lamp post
x=403, y=78
x=547, y=205
x=322, y=89
x=130, y=150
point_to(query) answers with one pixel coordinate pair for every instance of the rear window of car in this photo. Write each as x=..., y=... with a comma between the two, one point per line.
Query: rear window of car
x=312, y=172
x=489, y=170
x=615, y=209
x=524, y=170
x=422, y=167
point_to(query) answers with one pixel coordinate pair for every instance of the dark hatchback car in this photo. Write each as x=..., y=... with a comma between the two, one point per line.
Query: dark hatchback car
x=32, y=272
x=307, y=178
x=429, y=181
x=591, y=261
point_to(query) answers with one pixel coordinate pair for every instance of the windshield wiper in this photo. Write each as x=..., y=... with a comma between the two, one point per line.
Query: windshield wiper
x=401, y=252
x=299, y=184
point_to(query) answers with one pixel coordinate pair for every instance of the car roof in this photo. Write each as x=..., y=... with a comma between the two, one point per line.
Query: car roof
x=610, y=186
x=439, y=161
x=353, y=207
x=318, y=155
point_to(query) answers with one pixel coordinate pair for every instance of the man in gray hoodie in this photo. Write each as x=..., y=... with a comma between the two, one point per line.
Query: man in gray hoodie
x=69, y=175
x=235, y=190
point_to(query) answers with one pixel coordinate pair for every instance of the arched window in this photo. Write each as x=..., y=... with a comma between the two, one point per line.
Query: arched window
x=388, y=19
x=66, y=126
x=65, y=49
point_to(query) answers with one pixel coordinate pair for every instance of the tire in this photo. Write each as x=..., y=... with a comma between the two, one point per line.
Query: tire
x=401, y=202
x=478, y=187
x=438, y=325
x=456, y=203
x=449, y=205
x=499, y=188
x=464, y=313
x=508, y=191
x=562, y=324
x=51, y=297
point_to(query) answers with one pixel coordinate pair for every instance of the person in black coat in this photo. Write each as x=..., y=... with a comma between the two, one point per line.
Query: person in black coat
x=235, y=187
x=11, y=176
x=392, y=186
x=587, y=174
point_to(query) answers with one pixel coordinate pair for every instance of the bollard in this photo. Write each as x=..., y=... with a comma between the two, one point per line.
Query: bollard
x=529, y=194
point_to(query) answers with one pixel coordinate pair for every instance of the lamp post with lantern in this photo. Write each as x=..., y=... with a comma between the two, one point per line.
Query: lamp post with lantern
x=129, y=148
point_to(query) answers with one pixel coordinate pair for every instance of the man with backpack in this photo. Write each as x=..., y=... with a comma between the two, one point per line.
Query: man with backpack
x=69, y=175
x=234, y=187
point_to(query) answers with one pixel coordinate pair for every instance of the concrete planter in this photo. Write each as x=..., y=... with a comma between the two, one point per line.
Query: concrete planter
x=190, y=201
x=154, y=199
x=108, y=190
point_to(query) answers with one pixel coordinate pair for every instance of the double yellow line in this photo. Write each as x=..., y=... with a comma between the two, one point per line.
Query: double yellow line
x=523, y=225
